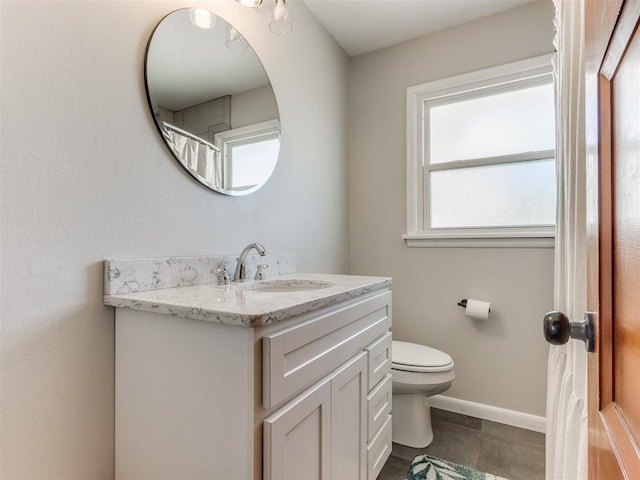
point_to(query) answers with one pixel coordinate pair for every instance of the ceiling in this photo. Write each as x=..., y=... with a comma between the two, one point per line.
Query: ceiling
x=187, y=65
x=361, y=26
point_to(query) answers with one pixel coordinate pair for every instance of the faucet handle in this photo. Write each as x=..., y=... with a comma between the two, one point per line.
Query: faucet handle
x=259, y=272
x=223, y=275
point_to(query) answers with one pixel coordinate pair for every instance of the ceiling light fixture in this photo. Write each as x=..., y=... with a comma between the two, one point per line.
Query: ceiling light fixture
x=235, y=42
x=202, y=18
x=280, y=19
x=250, y=3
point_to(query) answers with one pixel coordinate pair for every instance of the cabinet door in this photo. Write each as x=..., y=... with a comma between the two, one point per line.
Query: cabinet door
x=349, y=420
x=297, y=437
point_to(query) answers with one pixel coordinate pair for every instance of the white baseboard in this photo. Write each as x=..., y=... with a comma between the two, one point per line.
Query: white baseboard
x=488, y=412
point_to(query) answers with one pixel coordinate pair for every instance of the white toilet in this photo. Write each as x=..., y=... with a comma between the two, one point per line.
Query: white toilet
x=418, y=372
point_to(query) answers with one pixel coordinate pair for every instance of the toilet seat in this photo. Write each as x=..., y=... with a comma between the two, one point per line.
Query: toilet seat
x=411, y=357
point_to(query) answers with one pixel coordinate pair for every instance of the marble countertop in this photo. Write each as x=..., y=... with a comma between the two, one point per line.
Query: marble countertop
x=245, y=304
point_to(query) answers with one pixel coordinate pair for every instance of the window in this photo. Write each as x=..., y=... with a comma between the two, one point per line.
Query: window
x=481, y=158
x=250, y=154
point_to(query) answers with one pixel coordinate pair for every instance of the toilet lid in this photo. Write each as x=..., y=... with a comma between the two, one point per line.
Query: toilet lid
x=418, y=358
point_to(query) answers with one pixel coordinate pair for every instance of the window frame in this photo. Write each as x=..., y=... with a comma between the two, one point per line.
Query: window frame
x=248, y=134
x=504, y=78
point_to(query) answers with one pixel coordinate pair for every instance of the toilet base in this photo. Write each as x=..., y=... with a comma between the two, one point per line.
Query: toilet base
x=411, y=424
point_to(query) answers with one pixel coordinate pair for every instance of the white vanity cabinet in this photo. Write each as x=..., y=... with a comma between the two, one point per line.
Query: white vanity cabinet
x=340, y=418
x=305, y=397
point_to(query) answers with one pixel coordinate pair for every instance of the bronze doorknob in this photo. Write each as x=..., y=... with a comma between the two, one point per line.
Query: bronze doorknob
x=558, y=329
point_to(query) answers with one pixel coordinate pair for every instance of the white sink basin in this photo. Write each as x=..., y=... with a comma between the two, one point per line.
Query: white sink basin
x=289, y=285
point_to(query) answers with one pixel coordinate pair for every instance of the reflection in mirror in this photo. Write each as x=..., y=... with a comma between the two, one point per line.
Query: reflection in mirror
x=212, y=101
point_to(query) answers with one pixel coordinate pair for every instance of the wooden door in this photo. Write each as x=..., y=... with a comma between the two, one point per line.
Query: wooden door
x=613, y=232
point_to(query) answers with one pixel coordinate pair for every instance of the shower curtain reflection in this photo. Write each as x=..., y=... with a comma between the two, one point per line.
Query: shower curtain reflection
x=197, y=155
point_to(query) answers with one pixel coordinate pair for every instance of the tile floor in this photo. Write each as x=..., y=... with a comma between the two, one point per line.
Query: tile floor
x=509, y=452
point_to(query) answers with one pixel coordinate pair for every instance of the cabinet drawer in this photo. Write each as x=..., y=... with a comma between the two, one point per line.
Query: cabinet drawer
x=378, y=406
x=379, y=359
x=296, y=357
x=379, y=450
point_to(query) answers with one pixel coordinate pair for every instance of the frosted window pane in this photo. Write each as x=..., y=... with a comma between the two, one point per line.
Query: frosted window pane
x=506, y=123
x=253, y=163
x=504, y=195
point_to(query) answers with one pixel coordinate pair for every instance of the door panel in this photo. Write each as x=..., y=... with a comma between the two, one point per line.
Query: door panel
x=626, y=236
x=349, y=421
x=613, y=146
x=297, y=437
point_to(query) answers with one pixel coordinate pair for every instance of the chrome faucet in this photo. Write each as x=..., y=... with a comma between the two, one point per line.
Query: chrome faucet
x=240, y=274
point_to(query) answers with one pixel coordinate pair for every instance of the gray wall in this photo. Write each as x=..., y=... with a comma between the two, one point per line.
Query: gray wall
x=257, y=105
x=86, y=177
x=502, y=362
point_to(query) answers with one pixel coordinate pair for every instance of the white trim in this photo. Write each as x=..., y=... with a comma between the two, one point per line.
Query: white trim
x=502, y=73
x=514, y=237
x=503, y=159
x=424, y=241
x=491, y=413
x=248, y=131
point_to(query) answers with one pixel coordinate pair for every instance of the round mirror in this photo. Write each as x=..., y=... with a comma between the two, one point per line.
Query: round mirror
x=212, y=101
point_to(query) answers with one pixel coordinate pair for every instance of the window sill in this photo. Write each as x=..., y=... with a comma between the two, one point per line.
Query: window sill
x=471, y=241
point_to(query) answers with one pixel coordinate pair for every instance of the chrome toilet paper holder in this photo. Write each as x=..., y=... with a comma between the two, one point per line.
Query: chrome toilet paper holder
x=463, y=303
